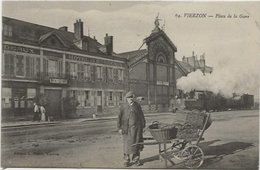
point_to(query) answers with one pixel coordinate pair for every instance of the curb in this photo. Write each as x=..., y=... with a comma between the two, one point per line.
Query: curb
x=64, y=122
x=28, y=125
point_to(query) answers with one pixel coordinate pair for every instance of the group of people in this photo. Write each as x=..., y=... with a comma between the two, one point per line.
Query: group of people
x=39, y=113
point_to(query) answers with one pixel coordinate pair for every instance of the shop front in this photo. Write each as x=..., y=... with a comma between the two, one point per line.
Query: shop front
x=17, y=100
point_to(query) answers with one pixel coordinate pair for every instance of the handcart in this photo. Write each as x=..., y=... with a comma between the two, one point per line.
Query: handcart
x=183, y=136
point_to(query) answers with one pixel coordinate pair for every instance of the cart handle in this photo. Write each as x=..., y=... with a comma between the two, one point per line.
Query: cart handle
x=203, y=129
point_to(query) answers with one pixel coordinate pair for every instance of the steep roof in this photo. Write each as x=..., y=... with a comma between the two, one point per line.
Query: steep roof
x=130, y=54
x=134, y=57
x=184, y=67
x=158, y=34
x=34, y=34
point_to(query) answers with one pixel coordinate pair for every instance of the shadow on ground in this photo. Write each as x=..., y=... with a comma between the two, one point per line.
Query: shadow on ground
x=213, y=154
x=218, y=152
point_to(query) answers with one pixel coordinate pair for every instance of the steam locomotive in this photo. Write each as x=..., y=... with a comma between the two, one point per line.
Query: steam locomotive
x=206, y=100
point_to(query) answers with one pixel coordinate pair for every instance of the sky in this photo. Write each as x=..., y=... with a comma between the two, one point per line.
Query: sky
x=231, y=45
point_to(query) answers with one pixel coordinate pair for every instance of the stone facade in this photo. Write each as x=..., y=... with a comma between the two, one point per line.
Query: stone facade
x=59, y=64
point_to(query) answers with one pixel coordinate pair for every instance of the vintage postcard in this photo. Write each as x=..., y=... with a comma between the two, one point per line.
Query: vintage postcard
x=135, y=84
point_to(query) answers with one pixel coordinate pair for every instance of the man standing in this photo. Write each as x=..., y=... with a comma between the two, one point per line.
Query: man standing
x=130, y=124
x=36, y=112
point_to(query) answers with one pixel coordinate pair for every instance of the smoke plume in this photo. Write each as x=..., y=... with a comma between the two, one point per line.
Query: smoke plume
x=223, y=82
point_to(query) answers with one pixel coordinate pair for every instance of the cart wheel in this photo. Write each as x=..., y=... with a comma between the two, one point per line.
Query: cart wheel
x=193, y=156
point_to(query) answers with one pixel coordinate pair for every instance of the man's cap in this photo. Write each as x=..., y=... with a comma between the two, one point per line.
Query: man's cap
x=129, y=94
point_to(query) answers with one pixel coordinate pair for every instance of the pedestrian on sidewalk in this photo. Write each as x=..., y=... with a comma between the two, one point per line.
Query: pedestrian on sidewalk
x=43, y=113
x=36, y=112
x=131, y=123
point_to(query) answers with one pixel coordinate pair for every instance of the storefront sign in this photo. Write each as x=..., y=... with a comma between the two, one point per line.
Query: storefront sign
x=80, y=58
x=58, y=81
x=21, y=49
x=92, y=60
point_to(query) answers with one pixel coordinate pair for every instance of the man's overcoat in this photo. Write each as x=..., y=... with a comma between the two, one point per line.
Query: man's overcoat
x=131, y=120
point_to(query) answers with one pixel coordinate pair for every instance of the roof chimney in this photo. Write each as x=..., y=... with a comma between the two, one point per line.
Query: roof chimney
x=109, y=44
x=78, y=29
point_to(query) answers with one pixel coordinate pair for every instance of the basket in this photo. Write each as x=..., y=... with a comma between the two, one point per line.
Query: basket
x=189, y=123
x=187, y=132
x=193, y=118
x=162, y=132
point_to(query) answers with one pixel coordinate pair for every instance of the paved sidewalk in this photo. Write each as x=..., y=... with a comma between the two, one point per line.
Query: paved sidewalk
x=77, y=120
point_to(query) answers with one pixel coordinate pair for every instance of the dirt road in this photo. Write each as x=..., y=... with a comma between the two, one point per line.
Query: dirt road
x=232, y=142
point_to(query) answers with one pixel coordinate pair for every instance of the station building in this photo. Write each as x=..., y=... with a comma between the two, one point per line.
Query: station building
x=152, y=71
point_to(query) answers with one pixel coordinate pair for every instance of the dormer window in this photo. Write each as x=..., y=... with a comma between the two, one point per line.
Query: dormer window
x=8, y=31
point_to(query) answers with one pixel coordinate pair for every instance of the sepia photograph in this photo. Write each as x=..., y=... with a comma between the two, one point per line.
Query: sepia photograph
x=130, y=84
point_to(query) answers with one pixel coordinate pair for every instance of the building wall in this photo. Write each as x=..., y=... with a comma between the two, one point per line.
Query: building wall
x=139, y=72
x=48, y=70
x=154, y=78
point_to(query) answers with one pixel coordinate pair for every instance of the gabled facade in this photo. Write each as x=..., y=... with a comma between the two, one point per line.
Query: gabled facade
x=41, y=60
x=152, y=71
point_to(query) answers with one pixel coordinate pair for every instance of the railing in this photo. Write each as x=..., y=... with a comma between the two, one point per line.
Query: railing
x=47, y=76
x=41, y=76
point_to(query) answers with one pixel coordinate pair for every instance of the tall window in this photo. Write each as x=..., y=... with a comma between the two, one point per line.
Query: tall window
x=6, y=97
x=92, y=73
x=80, y=71
x=29, y=66
x=19, y=65
x=162, y=74
x=99, y=73
x=87, y=101
x=53, y=68
x=110, y=99
x=9, y=64
x=110, y=73
x=115, y=71
x=8, y=31
x=120, y=75
x=73, y=70
x=87, y=72
x=45, y=66
x=110, y=96
x=37, y=66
